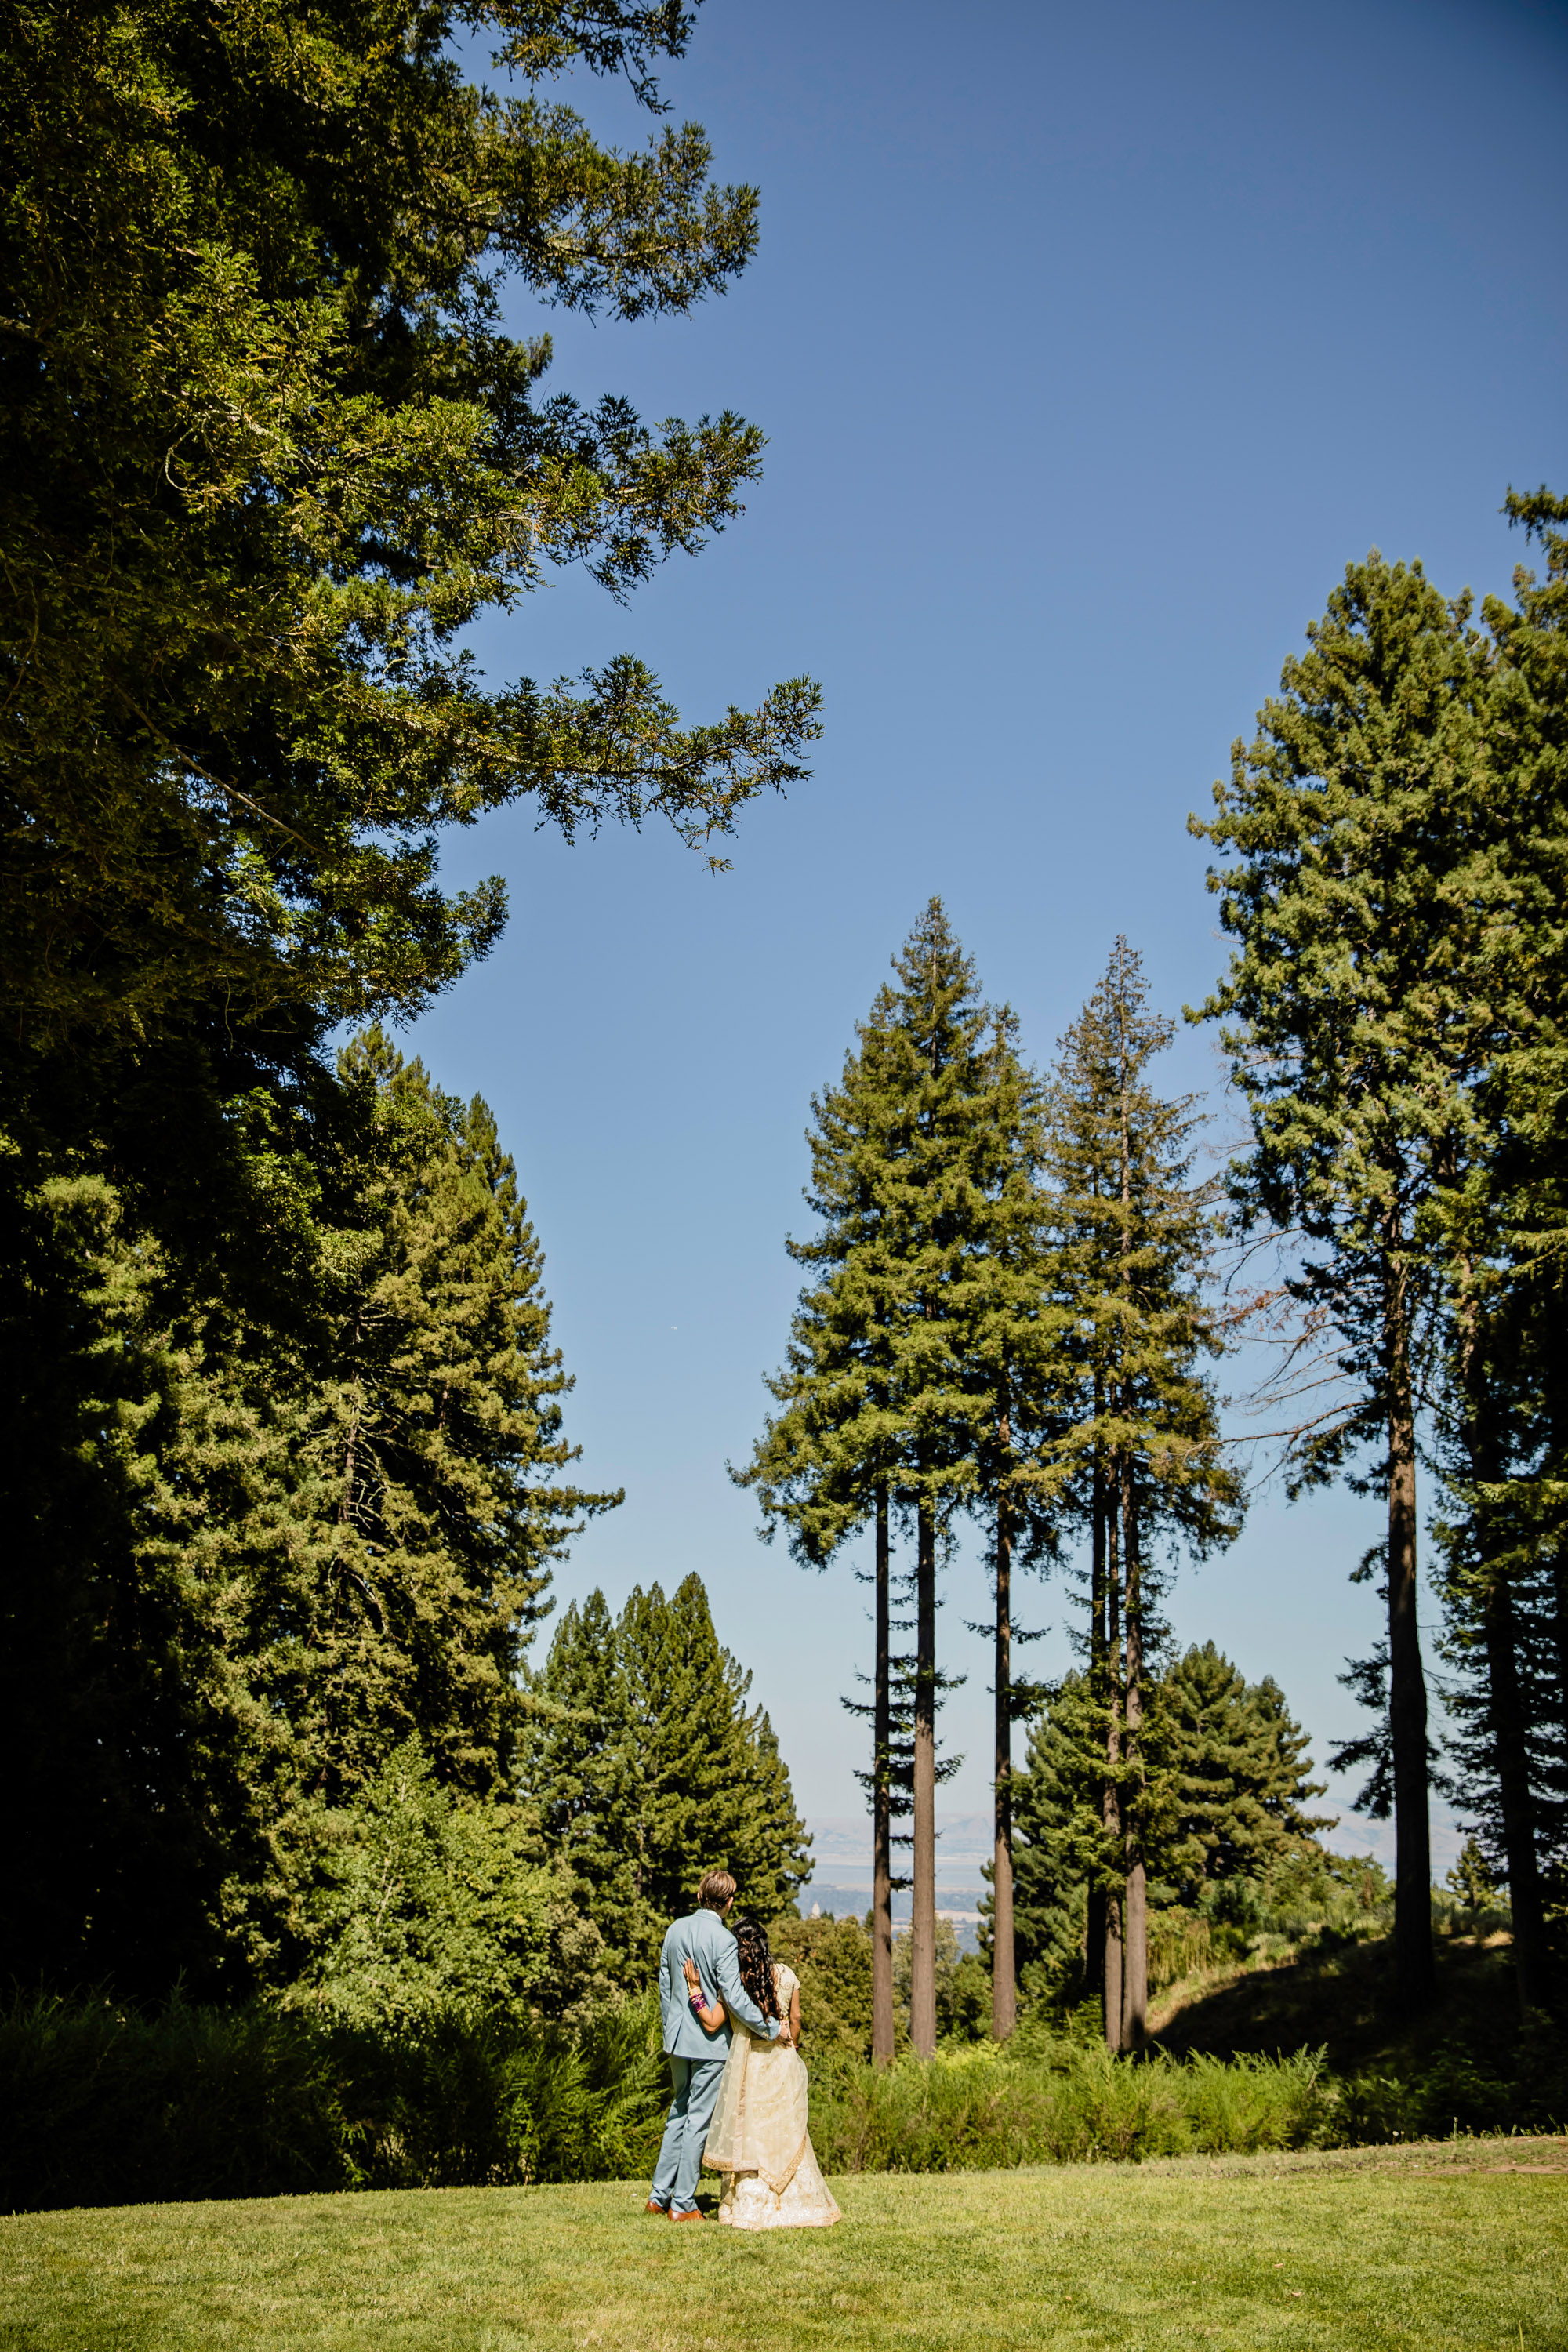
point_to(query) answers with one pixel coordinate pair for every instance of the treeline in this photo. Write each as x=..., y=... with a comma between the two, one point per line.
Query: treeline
x=282, y=1472
x=278, y=1554
x=1222, y=1817
x=1017, y=1284
x=1008, y=1321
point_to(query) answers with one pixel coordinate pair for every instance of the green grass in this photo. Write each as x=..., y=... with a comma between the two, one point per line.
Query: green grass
x=1305, y=2253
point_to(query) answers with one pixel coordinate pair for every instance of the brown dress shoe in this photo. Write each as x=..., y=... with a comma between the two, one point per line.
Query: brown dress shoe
x=693, y=2216
x=653, y=2206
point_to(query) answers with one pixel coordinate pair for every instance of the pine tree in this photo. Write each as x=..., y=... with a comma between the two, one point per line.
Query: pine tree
x=1021, y=1378
x=879, y=1396
x=1359, y=1019
x=1061, y=1856
x=152, y=1334
x=431, y=1454
x=236, y=707
x=826, y=1462
x=1503, y=1404
x=1141, y=1441
x=651, y=1768
x=1225, y=1787
x=1228, y=1775
x=579, y=1763
x=318, y=1493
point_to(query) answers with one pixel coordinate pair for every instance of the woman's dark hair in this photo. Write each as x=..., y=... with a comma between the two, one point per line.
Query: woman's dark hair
x=756, y=1964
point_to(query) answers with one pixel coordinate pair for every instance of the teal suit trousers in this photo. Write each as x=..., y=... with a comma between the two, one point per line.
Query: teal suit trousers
x=679, y=2166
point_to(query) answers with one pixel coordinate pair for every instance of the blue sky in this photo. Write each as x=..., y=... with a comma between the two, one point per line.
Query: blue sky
x=1091, y=345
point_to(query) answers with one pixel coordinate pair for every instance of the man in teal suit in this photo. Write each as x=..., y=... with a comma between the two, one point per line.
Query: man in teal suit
x=696, y=2056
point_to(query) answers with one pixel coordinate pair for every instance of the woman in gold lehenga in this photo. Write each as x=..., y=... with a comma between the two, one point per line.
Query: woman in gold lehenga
x=758, y=2138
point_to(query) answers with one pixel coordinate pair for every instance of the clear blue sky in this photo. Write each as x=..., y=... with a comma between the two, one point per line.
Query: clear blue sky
x=1091, y=345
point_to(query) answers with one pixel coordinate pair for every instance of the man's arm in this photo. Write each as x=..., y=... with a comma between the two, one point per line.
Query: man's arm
x=737, y=2000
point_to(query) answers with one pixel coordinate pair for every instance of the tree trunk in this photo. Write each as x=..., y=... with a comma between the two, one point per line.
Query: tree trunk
x=1559, y=1631
x=1003, y=1980
x=882, y=1811
x=1135, y=1963
x=1505, y=1705
x=923, y=1929
x=1094, y=1943
x=1507, y=1712
x=1414, y=1970
x=1094, y=1921
x=1110, y=1794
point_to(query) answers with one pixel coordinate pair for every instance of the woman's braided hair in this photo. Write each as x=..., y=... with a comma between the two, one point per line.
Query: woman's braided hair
x=756, y=1964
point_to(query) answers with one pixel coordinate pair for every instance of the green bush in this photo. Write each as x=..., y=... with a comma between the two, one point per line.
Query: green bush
x=107, y=2107
x=104, y=2107
x=1059, y=2101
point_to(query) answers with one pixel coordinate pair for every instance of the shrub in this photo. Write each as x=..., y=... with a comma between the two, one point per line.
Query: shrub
x=107, y=2107
x=1059, y=2101
x=832, y=1959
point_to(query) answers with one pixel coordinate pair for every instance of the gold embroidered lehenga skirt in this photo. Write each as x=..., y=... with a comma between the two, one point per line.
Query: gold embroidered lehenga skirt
x=760, y=2141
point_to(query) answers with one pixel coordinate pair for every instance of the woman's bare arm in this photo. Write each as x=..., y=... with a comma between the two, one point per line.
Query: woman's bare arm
x=794, y=2015
x=711, y=2014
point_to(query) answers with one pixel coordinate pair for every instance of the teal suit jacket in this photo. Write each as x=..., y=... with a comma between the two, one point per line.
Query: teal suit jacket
x=703, y=1936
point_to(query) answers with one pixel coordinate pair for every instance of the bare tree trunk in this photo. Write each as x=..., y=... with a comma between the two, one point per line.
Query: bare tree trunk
x=1003, y=1978
x=1111, y=1795
x=1505, y=1706
x=1094, y=1904
x=922, y=1929
x=1530, y=1963
x=882, y=1811
x=1132, y=1958
x=1415, y=1969
x=1136, y=1966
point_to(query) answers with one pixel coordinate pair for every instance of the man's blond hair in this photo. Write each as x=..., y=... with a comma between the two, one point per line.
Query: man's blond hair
x=717, y=1889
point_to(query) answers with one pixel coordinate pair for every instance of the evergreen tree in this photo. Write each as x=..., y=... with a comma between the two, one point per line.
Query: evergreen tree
x=432, y=1452
x=1503, y=1403
x=314, y=1512
x=650, y=1768
x=1022, y=1382
x=580, y=1760
x=826, y=1462
x=1359, y=1020
x=1228, y=1772
x=1223, y=1797
x=1141, y=1443
x=880, y=1395
x=146, y=1476
x=268, y=453
x=1060, y=1848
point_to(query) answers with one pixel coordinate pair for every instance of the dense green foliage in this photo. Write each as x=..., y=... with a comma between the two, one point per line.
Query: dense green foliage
x=105, y=2107
x=299, y=1530
x=1397, y=837
x=648, y=1768
x=282, y=1468
x=916, y=1354
x=1221, y=1806
x=109, y=2107
x=269, y=451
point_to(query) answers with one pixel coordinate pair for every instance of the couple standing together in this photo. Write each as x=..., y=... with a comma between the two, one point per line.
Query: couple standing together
x=740, y=2105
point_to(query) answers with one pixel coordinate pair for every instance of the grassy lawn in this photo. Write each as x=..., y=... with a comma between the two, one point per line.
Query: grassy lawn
x=1446, y=2248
